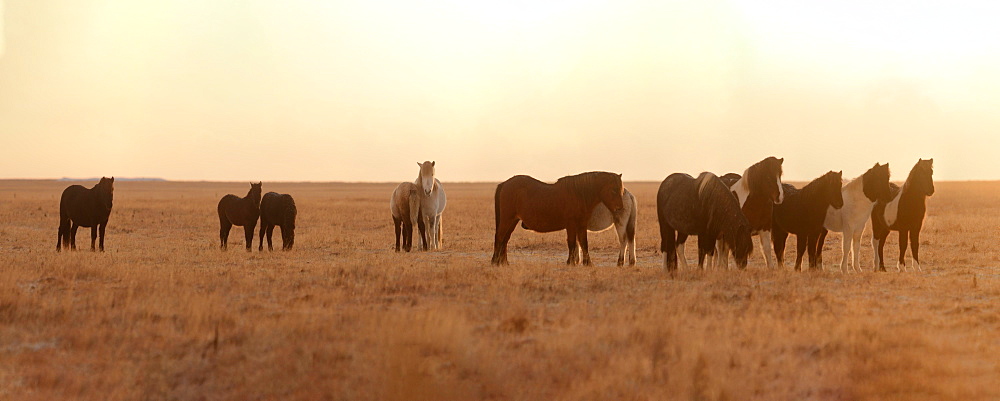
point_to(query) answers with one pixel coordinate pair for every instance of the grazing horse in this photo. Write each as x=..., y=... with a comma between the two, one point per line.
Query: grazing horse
x=566, y=205
x=277, y=210
x=758, y=190
x=237, y=211
x=803, y=213
x=624, y=222
x=405, y=208
x=432, y=203
x=704, y=207
x=82, y=207
x=860, y=196
x=904, y=213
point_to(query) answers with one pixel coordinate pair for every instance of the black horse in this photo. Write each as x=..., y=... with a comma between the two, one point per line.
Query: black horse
x=704, y=207
x=237, y=211
x=904, y=213
x=803, y=213
x=82, y=207
x=277, y=210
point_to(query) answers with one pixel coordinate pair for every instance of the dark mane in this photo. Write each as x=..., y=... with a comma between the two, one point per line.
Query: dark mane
x=817, y=184
x=584, y=184
x=762, y=171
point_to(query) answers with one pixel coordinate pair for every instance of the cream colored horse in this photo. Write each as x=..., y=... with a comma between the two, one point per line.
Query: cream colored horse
x=624, y=222
x=432, y=204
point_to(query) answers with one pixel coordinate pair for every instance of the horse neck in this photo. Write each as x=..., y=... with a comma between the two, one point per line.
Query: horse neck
x=253, y=196
x=907, y=191
x=585, y=188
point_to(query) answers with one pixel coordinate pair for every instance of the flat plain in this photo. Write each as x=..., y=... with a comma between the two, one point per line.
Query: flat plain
x=163, y=314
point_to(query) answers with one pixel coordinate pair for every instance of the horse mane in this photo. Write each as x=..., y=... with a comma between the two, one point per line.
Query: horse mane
x=704, y=180
x=758, y=172
x=817, y=184
x=584, y=184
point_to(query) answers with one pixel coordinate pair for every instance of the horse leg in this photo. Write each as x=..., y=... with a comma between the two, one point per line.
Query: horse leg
x=503, y=231
x=248, y=234
x=903, y=239
x=622, y=243
x=856, y=248
x=780, y=237
x=706, y=247
x=397, y=225
x=63, y=238
x=581, y=236
x=93, y=238
x=407, y=236
x=721, y=254
x=669, y=248
x=571, y=243
x=679, y=251
x=812, y=250
x=915, y=246
x=878, y=245
x=270, y=233
x=765, y=248
x=819, y=243
x=72, y=236
x=263, y=228
x=440, y=232
x=800, y=250
x=224, y=227
x=101, y=232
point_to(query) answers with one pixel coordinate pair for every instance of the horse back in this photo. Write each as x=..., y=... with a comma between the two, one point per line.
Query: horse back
x=678, y=204
x=237, y=211
x=540, y=206
x=278, y=208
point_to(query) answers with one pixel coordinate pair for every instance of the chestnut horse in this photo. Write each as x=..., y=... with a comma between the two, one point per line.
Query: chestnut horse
x=904, y=213
x=704, y=207
x=758, y=190
x=803, y=213
x=277, y=210
x=82, y=207
x=565, y=205
x=237, y=211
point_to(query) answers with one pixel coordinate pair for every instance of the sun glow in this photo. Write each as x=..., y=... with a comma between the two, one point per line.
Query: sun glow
x=498, y=88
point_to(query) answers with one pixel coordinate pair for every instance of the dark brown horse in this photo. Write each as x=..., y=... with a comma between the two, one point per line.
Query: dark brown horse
x=904, y=213
x=803, y=213
x=82, y=207
x=704, y=207
x=565, y=205
x=236, y=211
x=277, y=210
x=758, y=190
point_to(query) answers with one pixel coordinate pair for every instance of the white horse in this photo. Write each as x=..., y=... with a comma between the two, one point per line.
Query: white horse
x=624, y=221
x=860, y=196
x=432, y=203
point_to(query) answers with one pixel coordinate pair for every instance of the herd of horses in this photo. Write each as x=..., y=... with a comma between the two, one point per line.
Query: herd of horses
x=723, y=212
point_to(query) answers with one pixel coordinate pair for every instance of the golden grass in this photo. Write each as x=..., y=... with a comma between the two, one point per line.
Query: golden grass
x=165, y=315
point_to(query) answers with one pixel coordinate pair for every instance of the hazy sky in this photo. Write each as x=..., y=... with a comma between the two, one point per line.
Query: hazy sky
x=361, y=90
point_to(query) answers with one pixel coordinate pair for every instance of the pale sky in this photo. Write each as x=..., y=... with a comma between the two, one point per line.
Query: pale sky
x=362, y=90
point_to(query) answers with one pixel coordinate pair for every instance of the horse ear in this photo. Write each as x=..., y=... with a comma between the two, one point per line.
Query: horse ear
x=433, y=163
x=781, y=160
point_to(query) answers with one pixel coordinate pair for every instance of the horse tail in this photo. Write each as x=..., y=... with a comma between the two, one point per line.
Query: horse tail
x=630, y=227
x=496, y=205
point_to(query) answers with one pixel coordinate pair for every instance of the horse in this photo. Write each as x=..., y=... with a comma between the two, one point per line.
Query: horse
x=704, y=207
x=758, y=190
x=803, y=213
x=624, y=222
x=404, y=205
x=566, y=205
x=904, y=213
x=277, y=210
x=82, y=207
x=432, y=204
x=237, y=211
x=859, y=196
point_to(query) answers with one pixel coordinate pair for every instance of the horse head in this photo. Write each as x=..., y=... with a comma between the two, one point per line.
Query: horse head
x=924, y=171
x=740, y=242
x=426, y=177
x=106, y=191
x=611, y=192
x=875, y=183
x=834, y=188
x=255, y=192
x=765, y=177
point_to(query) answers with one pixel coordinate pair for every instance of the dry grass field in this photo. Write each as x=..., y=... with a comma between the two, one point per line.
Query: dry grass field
x=165, y=315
